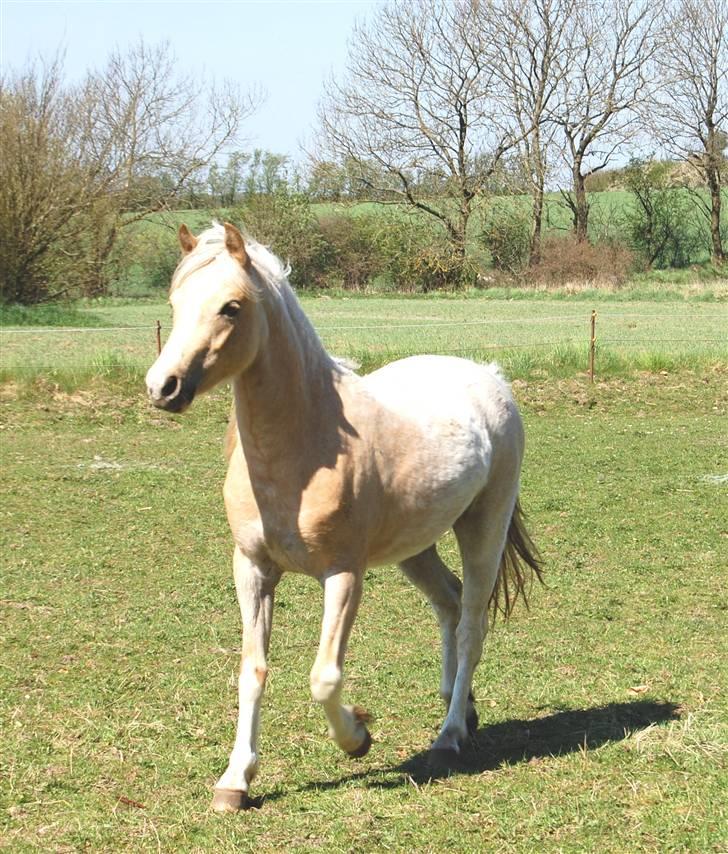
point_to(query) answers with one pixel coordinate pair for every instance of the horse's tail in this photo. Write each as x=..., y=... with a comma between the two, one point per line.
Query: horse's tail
x=519, y=565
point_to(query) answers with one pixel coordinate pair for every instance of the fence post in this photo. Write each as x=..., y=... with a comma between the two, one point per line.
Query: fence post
x=159, y=337
x=592, y=343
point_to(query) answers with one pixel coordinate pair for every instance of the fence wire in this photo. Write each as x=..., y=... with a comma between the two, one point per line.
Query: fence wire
x=101, y=361
x=434, y=324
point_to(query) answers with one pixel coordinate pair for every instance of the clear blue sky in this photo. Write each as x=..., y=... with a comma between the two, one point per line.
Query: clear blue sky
x=287, y=48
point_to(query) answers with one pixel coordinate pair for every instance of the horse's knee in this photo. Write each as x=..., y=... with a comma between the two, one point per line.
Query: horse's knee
x=251, y=681
x=325, y=683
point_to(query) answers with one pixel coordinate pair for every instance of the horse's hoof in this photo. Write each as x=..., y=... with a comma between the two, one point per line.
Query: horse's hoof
x=471, y=722
x=442, y=759
x=229, y=800
x=362, y=715
x=363, y=748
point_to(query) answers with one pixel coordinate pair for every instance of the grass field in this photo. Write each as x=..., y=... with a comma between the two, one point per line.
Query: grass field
x=604, y=724
x=531, y=336
x=603, y=718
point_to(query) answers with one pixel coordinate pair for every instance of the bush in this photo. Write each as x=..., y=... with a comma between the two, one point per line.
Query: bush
x=417, y=256
x=285, y=222
x=144, y=259
x=507, y=236
x=658, y=224
x=564, y=260
x=354, y=259
x=440, y=267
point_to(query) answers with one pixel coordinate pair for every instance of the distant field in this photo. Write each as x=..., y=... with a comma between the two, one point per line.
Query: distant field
x=543, y=335
x=607, y=211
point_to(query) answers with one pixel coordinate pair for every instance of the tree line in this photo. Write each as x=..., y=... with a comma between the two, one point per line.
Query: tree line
x=451, y=87
x=443, y=105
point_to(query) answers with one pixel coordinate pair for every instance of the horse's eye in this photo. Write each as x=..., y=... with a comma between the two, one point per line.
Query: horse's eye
x=230, y=309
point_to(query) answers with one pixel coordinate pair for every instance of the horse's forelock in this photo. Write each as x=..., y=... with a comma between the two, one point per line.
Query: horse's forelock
x=211, y=244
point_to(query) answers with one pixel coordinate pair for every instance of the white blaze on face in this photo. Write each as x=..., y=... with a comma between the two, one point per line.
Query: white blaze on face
x=208, y=342
x=186, y=338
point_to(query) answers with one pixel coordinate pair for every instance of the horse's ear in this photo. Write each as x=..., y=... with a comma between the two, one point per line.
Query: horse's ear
x=187, y=239
x=235, y=244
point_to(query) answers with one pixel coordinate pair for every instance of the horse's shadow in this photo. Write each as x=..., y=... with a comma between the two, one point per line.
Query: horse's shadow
x=516, y=741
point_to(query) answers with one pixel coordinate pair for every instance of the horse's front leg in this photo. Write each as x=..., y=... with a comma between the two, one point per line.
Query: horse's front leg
x=255, y=588
x=342, y=593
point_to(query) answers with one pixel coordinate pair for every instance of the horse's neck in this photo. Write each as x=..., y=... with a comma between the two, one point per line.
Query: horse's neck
x=284, y=398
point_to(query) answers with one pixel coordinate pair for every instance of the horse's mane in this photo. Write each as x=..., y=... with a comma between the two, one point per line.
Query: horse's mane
x=211, y=244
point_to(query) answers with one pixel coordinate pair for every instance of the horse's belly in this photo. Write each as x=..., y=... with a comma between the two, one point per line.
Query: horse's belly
x=424, y=505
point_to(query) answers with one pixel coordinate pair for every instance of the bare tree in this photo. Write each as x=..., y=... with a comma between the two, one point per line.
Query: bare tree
x=527, y=37
x=44, y=193
x=153, y=129
x=419, y=100
x=602, y=83
x=79, y=163
x=692, y=104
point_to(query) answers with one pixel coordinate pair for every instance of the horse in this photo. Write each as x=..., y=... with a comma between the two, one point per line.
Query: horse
x=330, y=472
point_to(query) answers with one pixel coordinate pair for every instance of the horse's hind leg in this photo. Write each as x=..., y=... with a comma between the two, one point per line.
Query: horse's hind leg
x=443, y=589
x=481, y=533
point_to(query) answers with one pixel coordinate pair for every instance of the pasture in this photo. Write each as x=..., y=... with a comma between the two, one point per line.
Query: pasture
x=603, y=719
x=531, y=333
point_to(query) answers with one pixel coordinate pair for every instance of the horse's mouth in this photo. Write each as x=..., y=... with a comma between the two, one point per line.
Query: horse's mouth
x=176, y=404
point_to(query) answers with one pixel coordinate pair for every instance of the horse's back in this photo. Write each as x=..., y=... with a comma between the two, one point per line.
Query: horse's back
x=443, y=389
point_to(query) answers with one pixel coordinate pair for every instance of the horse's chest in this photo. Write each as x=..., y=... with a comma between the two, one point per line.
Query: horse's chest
x=281, y=539
x=300, y=533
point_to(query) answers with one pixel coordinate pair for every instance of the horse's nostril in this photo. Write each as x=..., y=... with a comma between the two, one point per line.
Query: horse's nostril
x=171, y=387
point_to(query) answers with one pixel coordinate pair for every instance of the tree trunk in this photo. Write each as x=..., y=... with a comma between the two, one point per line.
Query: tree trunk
x=717, y=254
x=581, y=206
x=535, y=249
x=459, y=236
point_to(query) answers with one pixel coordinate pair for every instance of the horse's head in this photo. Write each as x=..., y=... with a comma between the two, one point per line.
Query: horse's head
x=218, y=321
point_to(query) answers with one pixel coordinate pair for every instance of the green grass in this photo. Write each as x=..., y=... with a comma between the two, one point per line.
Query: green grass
x=53, y=314
x=542, y=335
x=603, y=717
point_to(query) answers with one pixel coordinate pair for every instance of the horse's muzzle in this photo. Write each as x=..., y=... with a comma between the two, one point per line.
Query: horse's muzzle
x=175, y=395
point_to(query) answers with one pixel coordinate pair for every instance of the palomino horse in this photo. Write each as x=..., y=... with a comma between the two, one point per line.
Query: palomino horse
x=330, y=473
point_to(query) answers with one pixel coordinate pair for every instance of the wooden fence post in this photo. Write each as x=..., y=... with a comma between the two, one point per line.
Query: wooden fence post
x=159, y=337
x=592, y=343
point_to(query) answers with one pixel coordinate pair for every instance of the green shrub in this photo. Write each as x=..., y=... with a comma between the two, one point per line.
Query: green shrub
x=353, y=250
x=144, y=258
x=285, y=222
x=507, y=236
x=440, y=267
x=418, y=257
x=660, y=221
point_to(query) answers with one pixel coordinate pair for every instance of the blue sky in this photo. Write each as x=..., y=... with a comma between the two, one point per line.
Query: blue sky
x=287, y=48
